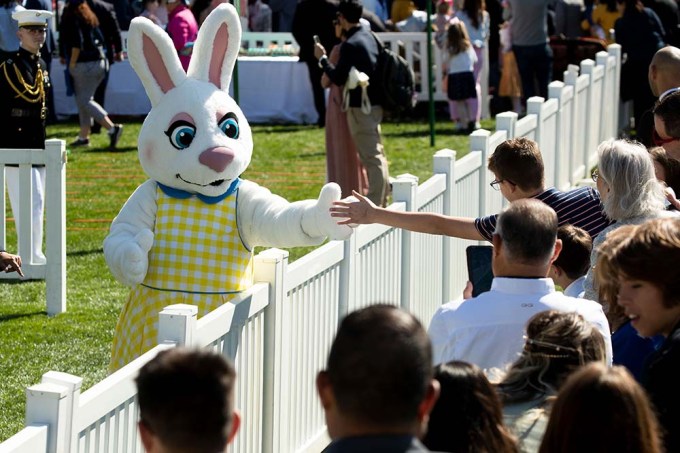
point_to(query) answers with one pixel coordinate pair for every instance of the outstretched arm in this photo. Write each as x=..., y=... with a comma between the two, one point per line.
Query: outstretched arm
x=265, y=219
x=363, y=211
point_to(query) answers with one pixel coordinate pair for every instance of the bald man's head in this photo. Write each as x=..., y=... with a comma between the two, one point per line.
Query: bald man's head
x=664, y=70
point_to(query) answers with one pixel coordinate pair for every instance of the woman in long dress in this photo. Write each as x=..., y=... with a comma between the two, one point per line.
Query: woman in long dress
x=342, y=159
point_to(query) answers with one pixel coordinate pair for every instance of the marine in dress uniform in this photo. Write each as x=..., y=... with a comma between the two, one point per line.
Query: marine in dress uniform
x=23, y=86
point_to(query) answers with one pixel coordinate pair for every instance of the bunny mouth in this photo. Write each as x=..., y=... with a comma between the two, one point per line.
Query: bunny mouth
x=216, y=183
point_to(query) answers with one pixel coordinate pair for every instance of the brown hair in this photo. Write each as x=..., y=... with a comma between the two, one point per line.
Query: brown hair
x=602, y=409
x=557, y=343
x=574, y=259
x=84, y=11
x=475, y=11
x=668, y=109
x=607, y=275
x=467, y=416
x=671, y=167
x=652, y=254
x=457, y=39
x=519, y=161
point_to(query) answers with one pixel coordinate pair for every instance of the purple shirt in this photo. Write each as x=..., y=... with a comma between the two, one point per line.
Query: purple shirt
x=182, y=28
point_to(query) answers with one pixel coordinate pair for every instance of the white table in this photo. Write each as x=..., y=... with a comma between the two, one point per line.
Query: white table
x=272, y=90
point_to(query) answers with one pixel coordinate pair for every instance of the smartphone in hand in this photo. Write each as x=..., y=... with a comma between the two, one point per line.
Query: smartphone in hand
x=479, y=268
x=316, y=39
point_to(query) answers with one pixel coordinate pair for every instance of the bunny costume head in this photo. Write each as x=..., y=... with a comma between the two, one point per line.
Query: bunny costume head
x=195, y=138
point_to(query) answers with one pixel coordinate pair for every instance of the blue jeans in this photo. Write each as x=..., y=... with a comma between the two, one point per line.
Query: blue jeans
x=534, y=62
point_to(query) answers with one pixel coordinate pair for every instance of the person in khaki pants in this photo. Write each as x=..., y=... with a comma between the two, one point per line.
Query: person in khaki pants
x=360, y=50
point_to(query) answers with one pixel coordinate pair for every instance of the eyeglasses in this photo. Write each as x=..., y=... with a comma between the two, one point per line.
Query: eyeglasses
x=496, y=183
x=658, y=141
x=595, y=174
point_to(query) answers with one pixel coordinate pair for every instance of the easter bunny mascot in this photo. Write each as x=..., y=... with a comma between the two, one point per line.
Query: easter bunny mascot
x=186, y=235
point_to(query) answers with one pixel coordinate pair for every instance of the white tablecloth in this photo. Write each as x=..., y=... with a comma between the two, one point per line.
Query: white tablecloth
x=272, y=90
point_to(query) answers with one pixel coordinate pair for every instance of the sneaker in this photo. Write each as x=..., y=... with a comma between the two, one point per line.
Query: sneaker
x=459, y=127
x=114, y=135
x=80, y=142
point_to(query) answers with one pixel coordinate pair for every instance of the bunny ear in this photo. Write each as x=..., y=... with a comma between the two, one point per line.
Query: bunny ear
x=154, y=59
x=216, y=48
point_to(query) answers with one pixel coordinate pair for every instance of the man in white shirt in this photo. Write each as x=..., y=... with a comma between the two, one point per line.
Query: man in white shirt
x=488, y=330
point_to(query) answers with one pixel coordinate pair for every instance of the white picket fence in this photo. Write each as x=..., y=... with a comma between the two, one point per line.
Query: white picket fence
x=279, y=332
x=53, y=157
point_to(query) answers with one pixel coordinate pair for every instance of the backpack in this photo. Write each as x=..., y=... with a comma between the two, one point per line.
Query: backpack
x=395, y=80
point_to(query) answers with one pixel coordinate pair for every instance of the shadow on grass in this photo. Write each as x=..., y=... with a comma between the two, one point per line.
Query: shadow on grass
x=286, y=127
x=425, y=133
x=12, y=316
x=85, y=252
x=106, y=149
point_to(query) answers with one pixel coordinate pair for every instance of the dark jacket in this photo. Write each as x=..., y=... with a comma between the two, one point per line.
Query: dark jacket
x=108, y=23
x=314, y=17
x=22, y=119
x=376, y=444
x=661, y=379
x=360, y=50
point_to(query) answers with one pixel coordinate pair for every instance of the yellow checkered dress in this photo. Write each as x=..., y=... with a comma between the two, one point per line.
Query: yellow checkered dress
x=197, y=258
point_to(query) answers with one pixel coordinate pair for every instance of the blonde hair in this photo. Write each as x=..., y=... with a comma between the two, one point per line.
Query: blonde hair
x=557, y=343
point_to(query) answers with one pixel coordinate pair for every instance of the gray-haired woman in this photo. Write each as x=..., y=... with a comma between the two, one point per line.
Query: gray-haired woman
x=629, y=191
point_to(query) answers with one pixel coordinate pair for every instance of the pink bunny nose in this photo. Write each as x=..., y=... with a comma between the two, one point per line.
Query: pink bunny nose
x=216, y=158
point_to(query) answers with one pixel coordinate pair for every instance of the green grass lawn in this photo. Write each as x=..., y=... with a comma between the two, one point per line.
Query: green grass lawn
x=289, y=160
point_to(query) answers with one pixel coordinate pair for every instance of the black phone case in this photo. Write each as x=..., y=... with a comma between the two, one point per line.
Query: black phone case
x=480, y=272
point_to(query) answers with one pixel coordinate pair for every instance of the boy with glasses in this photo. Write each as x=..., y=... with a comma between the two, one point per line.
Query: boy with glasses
x=518, y=169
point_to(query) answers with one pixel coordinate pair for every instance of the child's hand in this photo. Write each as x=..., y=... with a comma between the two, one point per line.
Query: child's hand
x=354, y=210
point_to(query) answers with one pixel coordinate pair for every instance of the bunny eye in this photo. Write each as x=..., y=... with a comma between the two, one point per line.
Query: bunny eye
x=229, y=125
x=181, y=134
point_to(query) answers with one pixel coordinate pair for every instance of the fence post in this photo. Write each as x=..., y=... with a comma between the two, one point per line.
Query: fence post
x=587, y=67
x=607, y=128
x=271, y=267
x=348, y=268
x=507, y=121
x=405, y=189
x=479, y=141
x=579, y=141
x=445, y=163
x=556, y=91
x=177, y=324
x=615, y=51
x=72, y=384
x=55, y=226
x=47, y=404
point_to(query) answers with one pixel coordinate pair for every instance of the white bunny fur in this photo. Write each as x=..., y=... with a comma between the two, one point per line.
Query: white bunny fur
x=200, y=98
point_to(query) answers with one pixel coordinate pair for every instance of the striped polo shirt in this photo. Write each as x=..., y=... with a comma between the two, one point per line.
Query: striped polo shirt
x=579, y=207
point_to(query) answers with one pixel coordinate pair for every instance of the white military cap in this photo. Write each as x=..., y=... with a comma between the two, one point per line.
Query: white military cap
x=32, y=17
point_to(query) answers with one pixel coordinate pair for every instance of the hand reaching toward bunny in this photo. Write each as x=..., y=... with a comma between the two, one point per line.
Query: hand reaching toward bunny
x=355, y=210
x=320, y=222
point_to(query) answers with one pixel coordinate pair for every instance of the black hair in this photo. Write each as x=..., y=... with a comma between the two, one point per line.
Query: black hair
x=186, y=399
x=380, y=366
